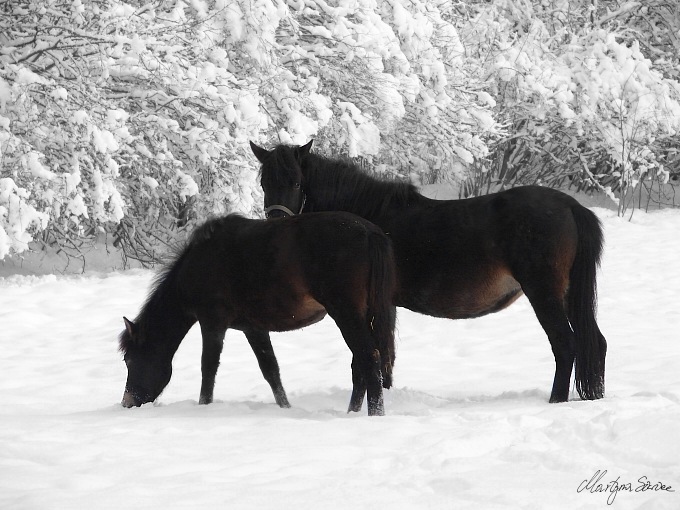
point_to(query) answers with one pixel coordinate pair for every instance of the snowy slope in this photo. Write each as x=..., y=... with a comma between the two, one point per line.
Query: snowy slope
x=468, y=424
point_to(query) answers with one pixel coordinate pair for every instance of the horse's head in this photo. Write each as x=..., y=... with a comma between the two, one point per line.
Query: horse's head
x=149, y=368
x=282, y=179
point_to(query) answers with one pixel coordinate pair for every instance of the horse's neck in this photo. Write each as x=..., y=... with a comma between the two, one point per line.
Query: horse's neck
x=167, y=324
x=368, y=197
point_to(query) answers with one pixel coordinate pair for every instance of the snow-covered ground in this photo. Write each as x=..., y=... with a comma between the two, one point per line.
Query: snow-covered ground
x=468, y=424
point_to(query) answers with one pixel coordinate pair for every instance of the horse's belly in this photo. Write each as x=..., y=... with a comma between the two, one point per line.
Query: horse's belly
x=308, y=312
x=462, y=298
x=302, y=312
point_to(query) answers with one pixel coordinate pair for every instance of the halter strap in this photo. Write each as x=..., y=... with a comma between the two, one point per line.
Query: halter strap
x=284, y=209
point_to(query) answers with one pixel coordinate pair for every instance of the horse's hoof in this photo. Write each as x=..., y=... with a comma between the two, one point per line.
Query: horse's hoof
x=284, y=404
x=281, y=400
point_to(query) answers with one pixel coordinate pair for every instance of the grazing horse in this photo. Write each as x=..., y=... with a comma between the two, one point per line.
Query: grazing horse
x=467, y=258
x=259, y=276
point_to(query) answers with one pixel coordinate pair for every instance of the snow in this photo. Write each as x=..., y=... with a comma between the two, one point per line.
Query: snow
x=25, y=76
x=80, y=117
x=363, y=136
x=32, y=161
x=5, y=94
x=468, y=424
x=17, y=217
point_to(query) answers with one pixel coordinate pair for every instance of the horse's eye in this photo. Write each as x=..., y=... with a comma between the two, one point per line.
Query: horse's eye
x=296, y=185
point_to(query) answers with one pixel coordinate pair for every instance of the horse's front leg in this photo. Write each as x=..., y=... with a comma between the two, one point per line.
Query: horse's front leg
x=262, y=347
x=213, y=341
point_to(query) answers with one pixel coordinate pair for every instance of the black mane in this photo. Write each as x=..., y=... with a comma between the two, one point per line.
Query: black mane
x=339, y=184
x=161, y=287
x=344, y=184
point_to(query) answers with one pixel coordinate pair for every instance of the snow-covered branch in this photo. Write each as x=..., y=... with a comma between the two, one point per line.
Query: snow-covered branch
x=133, y=118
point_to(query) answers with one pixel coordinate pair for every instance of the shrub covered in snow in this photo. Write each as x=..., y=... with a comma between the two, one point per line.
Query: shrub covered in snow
x=132, y=118
x=580, y=99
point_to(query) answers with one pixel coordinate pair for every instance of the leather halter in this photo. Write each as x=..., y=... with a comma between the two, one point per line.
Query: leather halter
x=284, y=209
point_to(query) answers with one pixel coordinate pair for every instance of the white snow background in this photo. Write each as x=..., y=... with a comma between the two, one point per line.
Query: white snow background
x=467, y=425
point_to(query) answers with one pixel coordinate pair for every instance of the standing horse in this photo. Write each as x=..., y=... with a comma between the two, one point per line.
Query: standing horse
x=467, y=258
x=259, y=276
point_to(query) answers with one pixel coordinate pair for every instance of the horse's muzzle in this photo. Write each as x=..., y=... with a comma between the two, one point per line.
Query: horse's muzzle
x=133, y=399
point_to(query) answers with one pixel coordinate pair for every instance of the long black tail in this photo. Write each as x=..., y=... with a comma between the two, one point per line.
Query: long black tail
x=381, y=310
x=591, y=346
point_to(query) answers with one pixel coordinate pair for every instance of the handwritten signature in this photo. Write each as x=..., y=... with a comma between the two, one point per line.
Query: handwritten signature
x=595, y=485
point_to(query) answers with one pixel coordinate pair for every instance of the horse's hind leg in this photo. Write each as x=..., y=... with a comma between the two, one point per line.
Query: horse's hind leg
x=262, y=347
x=374, y=387
x=367, y=380
x=366, y=365
x=356, y=400
x=550, y=311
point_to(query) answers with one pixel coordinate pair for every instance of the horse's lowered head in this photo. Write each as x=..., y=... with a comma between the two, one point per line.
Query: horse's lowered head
x=282, y=179
x=149, y=371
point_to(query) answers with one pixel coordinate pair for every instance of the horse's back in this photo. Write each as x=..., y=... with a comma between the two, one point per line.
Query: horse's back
x=489, y=225
x=235, y=240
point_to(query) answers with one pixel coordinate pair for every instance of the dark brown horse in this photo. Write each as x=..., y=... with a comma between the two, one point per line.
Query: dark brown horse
x=467, y=258
x=259, y=276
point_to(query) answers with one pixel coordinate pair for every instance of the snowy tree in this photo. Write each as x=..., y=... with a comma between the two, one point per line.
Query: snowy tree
x=132, y=119
x=583, y=103
x=386, y=81
x=117, y=118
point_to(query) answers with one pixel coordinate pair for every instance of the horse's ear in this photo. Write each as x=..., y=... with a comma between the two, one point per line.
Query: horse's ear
x=130, y=327
x=260, y=153
x=303, y=150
